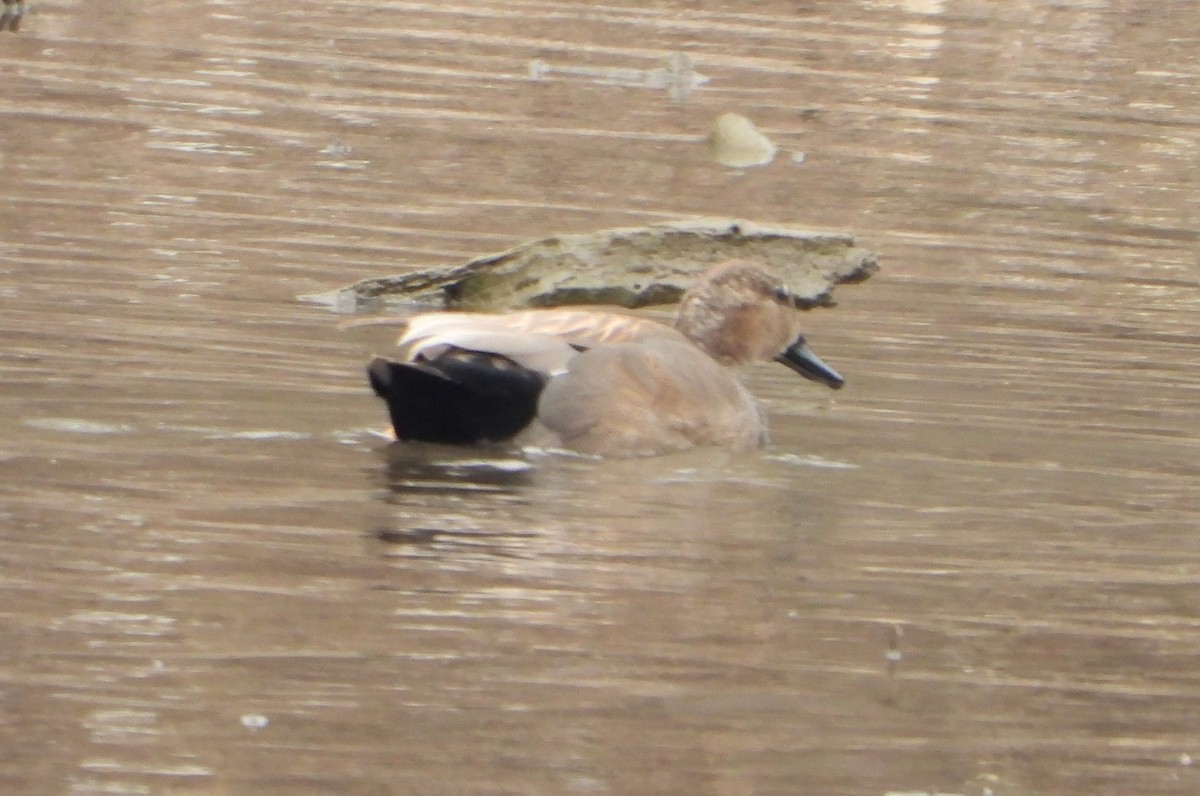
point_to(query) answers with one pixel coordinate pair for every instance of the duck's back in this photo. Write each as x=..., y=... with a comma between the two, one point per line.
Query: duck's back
x=519, y=335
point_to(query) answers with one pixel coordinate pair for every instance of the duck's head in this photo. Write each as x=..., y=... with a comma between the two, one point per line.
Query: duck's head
x=740, y=312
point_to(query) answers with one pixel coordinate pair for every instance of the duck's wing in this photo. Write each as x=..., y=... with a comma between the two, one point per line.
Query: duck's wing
x=541, y=353
x=589, y=328
x=543, y=340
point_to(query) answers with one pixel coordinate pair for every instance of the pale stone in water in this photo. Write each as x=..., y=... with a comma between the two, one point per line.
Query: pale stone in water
x=735, y=141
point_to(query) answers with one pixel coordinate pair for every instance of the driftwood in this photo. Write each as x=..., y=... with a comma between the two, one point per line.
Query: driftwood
x=630, y=267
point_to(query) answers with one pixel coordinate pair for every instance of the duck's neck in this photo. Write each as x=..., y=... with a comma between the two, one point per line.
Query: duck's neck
x=713, y=332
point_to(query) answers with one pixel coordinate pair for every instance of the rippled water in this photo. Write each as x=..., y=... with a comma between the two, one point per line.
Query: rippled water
x=973, y=571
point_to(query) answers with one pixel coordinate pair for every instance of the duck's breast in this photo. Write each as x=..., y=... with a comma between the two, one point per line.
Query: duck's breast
x=654, y=396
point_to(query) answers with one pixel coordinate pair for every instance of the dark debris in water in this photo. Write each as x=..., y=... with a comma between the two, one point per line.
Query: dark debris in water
x=14, y=12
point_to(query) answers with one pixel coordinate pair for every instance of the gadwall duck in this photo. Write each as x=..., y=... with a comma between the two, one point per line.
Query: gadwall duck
x=599, y=382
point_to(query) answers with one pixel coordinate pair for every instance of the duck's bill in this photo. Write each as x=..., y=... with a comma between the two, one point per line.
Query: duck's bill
x=800, y=358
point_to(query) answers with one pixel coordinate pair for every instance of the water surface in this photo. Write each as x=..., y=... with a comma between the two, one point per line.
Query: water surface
x=972, y=571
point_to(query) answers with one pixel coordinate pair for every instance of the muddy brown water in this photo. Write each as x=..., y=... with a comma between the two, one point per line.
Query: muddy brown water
x=976, y=570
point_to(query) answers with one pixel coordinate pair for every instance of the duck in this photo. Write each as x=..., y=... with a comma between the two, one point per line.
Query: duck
x=600, y=382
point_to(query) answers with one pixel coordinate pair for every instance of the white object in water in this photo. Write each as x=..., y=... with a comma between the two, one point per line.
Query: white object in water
x=679, y=77
x=735, y=141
